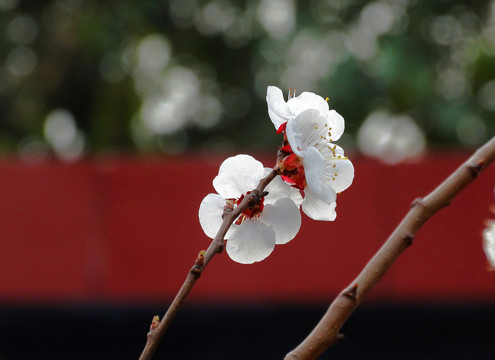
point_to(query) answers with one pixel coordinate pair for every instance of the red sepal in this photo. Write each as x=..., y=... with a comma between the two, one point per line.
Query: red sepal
x=282, y=128
x=286, y=148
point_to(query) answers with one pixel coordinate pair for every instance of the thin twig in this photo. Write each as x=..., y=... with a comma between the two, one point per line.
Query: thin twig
x=327, y=330
x=229, y=215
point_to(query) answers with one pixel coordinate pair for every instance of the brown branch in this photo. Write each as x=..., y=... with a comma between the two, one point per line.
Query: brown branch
x=327, y=330
x=229, y=215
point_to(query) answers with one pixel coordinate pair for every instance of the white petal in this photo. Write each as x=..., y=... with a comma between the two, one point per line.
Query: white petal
x=278, y=110
x=489, y=243
x=316, y=209
x=308, y=100
x=305, y=130
x=210, y=214
x=314, y=170
x=342, y=173
x=252, y=241
x=295, y=195
x=336, y=125
x=277, y=189
x=285, y=219
x=238, y=175
x=338, y=151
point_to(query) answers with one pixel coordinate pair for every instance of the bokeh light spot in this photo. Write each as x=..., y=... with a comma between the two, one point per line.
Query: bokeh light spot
x=21, y=61
x=278, y=17
x=22, y=30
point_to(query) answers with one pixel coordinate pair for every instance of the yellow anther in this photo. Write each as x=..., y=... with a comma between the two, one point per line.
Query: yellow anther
x=327, y=99
x=333, y=179
x=334, y=165
x=316, y=127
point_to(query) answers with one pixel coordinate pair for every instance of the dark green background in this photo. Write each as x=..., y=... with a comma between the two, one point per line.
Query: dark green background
x=75, y=37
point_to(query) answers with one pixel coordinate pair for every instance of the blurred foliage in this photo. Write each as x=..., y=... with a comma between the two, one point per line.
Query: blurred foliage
x=183, y=75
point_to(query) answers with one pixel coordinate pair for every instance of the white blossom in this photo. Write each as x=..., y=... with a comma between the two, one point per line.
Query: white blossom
x=281, y=111
x=254, y=234
x=489, y=243
x=314, y=165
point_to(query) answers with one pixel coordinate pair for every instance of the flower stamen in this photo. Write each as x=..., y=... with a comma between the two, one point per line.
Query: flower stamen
x=252, y=212
x=292, y=94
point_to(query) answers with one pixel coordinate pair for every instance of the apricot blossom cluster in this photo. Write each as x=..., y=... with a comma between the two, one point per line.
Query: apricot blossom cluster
x=313, y=170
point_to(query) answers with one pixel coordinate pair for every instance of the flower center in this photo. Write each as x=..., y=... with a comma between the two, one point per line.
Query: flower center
x=253, y=212
x=292, y=171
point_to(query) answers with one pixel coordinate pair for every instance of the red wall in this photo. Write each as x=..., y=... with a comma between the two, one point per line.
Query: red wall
x=126, y=229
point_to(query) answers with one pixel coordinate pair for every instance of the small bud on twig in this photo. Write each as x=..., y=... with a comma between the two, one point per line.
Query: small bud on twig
x=476, y=169
x=200, y=260
x=352, y=292
x=229, y=205
x=198, y=264
x=155, y=322
x=339, y=338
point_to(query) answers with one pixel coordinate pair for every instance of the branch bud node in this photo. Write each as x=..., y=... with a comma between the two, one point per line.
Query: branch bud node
x=417, y=202
x=339, y=338
x=352, y=292
x=196, y=270
x=408, y=238
x=476, y=169
x=222, y=246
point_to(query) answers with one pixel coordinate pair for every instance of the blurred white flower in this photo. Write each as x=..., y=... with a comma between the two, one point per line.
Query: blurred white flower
x=253, y=236
x=309, y=57
x=153, y=54
x=278, y=17
x=489, y=242
x=390, y=138
x=23, y=29
x=61, y=132
x=21, y=61
x=378, y=17
x=361, y=43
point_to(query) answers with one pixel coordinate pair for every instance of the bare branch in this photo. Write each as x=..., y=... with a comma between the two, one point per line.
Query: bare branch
x=229, y=215
x=327, y=330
